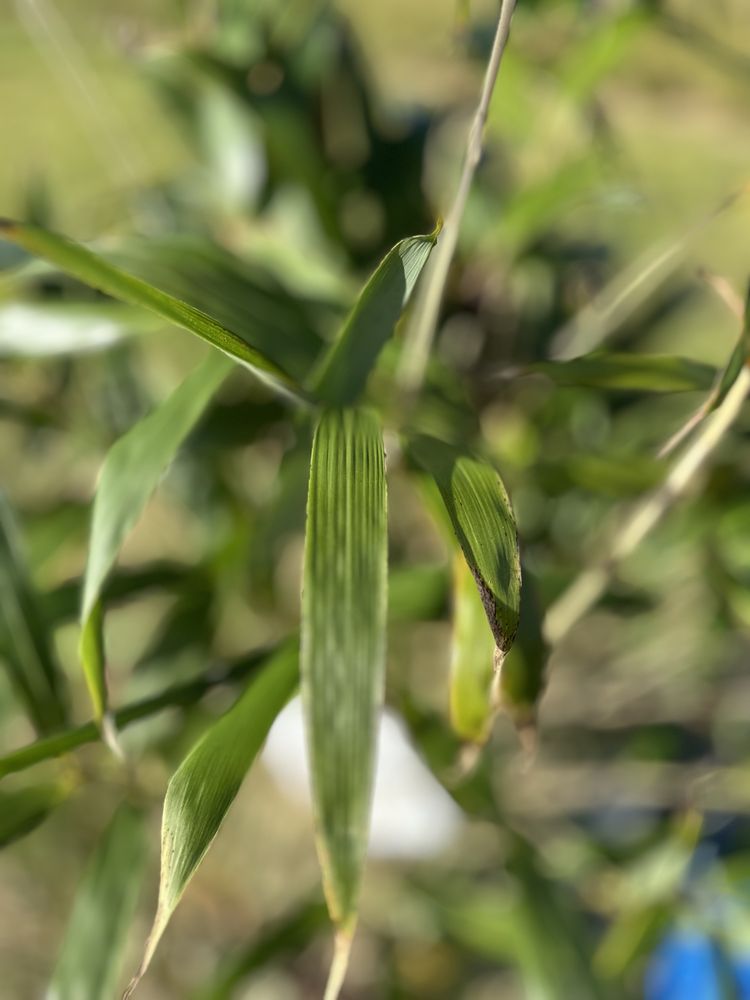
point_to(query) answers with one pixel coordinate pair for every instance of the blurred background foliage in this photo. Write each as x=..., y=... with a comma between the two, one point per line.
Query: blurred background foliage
x=258, y=158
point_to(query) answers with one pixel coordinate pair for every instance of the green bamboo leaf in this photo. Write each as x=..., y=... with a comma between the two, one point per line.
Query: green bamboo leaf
x=472, y=701
x=179, y=695
x=239, y=295
x=343, y=650
x=129, y=476
x=94, y=270
x=345, y=368
x=482, y=519
x=25, y=643
x=739, y=357
x=287, y=937
x=88, y=966
x=629, y=372
x=524, y=671
x=23, y=809
x=206, y=783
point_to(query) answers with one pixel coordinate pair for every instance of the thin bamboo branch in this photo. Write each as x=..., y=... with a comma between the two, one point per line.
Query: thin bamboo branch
x=586, y=590
x=182, y=695
x=421, y=329
x=619, y=299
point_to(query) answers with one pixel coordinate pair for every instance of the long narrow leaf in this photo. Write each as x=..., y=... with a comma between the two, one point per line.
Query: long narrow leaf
x=94, y=270
x=23, y=809
x=482, y=519
x=240, y=296
x=344, y=606
x=25, y=643
x=130, y=474
x=629, y=372
x=206, y=783
x=472, y=662
x=737, y=358
x=90, y=959
x=524, y=671
x=724, y=381
x=344, y=370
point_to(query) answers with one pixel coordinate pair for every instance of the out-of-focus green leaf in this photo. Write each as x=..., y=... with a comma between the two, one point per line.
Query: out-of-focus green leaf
x=88, y=966
x=645, y=895
x=129, y=476
x=417, y=592
x=206, y=783
x=343, y=646
x=46, y=329
x=552, y=944
x=612, y=474
x=25, y=643
x=529, y=921
x=288, y=936
x=345, y=368
x=629, y=372
x=23, y=809
x=524, y=671
x=472, y=663
x=96, y=271
x=482, y=519
x=737, y=359
x=722, y=384
x=178, y=695
x=240, y=296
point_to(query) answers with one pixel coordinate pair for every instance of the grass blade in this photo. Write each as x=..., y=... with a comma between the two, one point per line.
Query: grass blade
x=472, y=664
x=239, y=295
x=99, y=273
x=129, y=476
x=524, y=672
x=89, y=962
x=289, y=936
x=343, y=649
x=629, y=372
x=25, y=643
x=723, y=383
x=206, y=783
x=344, y=370
x=23, y=809
x=482, y=519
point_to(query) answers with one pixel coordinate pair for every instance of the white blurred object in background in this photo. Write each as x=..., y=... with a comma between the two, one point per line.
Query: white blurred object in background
x=412, y=815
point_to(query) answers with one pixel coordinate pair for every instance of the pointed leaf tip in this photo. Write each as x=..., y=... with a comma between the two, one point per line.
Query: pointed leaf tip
x=206, y=783
x=482, y=520
x=129, y=476
x=342, y=375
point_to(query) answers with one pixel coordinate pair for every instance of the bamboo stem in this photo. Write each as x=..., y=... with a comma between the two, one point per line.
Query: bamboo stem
x=421, y=329
x=181, y=695
x=586, y=590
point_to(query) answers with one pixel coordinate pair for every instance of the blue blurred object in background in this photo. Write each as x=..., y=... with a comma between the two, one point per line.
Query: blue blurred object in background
x=687, y=965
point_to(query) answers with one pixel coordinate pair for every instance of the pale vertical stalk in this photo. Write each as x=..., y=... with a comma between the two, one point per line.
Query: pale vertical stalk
x=342, y=947
x=620, y=297
x=586, y=590
x=421, y=330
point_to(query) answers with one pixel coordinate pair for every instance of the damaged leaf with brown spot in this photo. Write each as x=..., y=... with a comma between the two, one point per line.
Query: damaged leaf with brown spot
x=482, y=519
